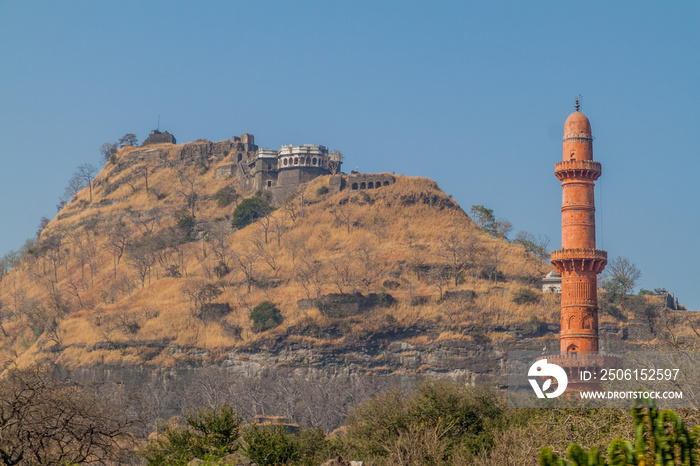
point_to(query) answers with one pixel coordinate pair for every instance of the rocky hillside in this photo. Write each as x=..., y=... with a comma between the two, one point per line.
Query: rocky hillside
x=144, y=267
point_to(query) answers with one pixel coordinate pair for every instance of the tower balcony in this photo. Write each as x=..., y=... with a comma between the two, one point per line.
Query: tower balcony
x=577, y=169
x=582, y=260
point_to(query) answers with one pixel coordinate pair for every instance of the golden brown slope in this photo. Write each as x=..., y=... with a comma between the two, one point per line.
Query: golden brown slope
x=118, y=281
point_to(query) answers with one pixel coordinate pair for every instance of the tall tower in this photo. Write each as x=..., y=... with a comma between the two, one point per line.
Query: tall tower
x=578, y=261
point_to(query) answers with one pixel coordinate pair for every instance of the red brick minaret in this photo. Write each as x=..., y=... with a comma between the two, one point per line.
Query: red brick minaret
x=578, y=261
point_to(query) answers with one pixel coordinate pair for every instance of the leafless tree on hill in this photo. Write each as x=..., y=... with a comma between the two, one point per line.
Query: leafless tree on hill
x=279, y=228
x=295, y=247
x=495, y=259
x=537, y=246
x=246, y=260
x=129, y=139
x=440, y=277
x=343, y=215
x=290, y=207
x=312, y=272
x=108, y=150
x=142, y=255
x=118, y=238
x=503, y=228
x=218, y=238
x=189, y=189
x=342, y=275
x=368, y=264
x=146, y=221
x=86, y=173
x=269, y=254
x=453, y=251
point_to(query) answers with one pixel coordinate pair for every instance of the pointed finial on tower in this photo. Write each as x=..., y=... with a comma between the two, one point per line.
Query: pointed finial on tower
x=577, y=105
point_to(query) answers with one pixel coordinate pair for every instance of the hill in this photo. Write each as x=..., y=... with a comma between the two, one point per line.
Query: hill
x=144, y=267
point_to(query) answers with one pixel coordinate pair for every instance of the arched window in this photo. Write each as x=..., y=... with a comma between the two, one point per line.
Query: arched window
x=313, y=161
x=363, y=185
x=370, y=185
x=571, y=347
x=587, y=322
x=296, y=160
x=240, y=157
x=354, y=186
x=386, y=183
x=572, y=321
x=286, y=162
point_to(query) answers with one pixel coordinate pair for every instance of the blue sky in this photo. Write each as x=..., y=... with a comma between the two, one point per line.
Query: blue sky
x=471, y=94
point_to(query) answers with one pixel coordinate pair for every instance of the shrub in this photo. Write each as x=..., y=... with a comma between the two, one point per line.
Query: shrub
x=464, y=418
x=265, y=316
x=269, y=445
x=210, y=434
x=525, y=296
x=251, y=209
x=322, y=190
x=225, y=196
x=184, y=219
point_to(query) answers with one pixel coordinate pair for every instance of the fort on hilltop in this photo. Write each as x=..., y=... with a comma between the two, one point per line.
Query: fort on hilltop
x=278, y=171
x=156, y=137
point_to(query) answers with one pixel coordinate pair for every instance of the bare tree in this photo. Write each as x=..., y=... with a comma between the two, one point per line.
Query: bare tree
x=108, y=150
x=86, y=172
x=621, y=276
x=342, y=215
x=129, y=139
x=246, y=261
x=503, y=228
x=453, y=251
x=118, y=237
x=342, y=275
x=290, y=207
x=48, y=421
x=269, y=254
x=368, y=264
x=312, y=272
x=142, y=256
x=279, y=228
x=189, y=189
x=537, y=246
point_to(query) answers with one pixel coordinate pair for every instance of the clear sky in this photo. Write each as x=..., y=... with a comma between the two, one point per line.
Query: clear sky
x=471, y=94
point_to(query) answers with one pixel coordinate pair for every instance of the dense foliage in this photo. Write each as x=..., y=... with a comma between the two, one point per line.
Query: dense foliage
x=251, y=209
x=208, y=434
x=265, y=316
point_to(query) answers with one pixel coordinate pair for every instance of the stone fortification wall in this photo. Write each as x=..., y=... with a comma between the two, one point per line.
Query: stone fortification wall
x=360, y=181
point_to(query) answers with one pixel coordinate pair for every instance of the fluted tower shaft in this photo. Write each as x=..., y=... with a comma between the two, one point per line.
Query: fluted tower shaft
x=578, y=262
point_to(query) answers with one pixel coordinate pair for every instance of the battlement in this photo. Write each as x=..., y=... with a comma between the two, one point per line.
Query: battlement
x=577, y=169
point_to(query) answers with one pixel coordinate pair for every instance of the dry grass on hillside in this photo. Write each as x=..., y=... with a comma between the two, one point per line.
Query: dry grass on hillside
x=68, y=294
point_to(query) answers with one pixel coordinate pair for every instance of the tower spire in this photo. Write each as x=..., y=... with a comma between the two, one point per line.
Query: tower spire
x=577, y=105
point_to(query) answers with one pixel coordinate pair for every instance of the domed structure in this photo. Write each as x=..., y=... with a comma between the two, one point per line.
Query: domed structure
x=577, y=123
x=578, y=139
